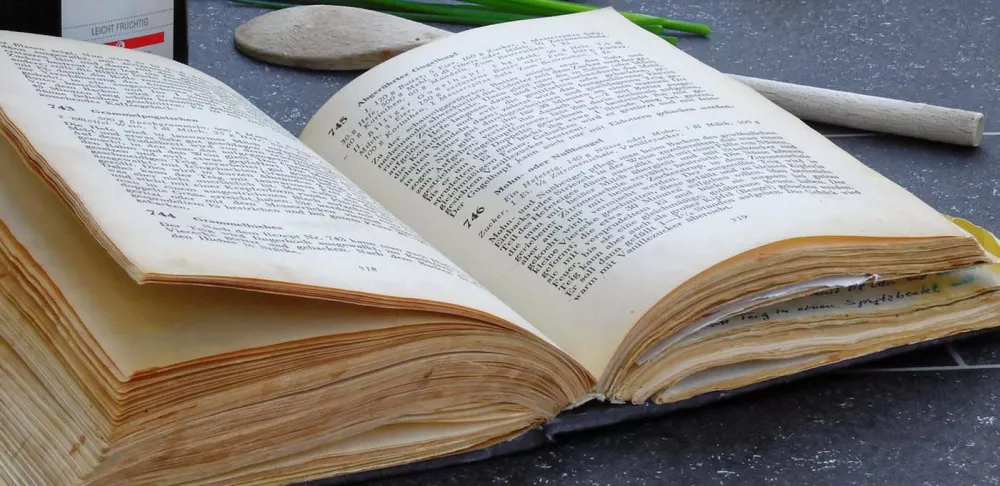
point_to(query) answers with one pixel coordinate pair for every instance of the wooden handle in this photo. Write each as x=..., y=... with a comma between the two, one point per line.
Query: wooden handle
x=872, y=113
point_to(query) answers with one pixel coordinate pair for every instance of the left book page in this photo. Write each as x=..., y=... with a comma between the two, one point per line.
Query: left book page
x=185, y=181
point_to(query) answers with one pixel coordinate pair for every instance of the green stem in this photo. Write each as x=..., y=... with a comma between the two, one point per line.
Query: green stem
x=442, y=9
x=482, y=13
x=365, y=4
x=512, y=7
x=656, y=29
x=445, y=19
x=557, y=6
x=529, y=7
x=265, y=4
x=692, y=27
x=465, y=15
x=298, y=3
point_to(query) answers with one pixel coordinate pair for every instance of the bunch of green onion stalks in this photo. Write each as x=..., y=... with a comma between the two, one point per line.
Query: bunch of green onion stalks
x=486, y=12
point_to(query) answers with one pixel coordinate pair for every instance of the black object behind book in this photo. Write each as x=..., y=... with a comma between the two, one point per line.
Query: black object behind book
x=158, y=26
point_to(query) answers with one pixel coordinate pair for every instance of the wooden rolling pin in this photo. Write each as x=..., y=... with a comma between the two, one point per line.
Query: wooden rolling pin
x=872, y=113
x=328, y=37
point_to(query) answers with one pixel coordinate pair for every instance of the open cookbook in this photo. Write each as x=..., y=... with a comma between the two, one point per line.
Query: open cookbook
x=463, y=243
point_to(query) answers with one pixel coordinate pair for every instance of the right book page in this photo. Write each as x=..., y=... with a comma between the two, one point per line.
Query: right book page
x=581, y=168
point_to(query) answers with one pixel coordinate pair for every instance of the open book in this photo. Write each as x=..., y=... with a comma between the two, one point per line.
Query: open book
x=462, y=243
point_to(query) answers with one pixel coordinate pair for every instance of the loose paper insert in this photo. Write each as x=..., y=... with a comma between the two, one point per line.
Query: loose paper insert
x=737, y=307
x=869, y=292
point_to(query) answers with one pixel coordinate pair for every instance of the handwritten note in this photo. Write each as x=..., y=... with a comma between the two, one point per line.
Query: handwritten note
x=871, y=297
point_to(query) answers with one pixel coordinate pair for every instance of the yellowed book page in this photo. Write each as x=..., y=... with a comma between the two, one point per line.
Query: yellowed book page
x=581, y=168
x=141, y=327
x=186, y=178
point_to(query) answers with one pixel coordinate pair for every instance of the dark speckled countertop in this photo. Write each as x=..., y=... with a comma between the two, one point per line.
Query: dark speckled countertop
x=925, y=418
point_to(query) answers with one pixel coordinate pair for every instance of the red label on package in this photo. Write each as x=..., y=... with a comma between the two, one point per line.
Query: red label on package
x=141, y=41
